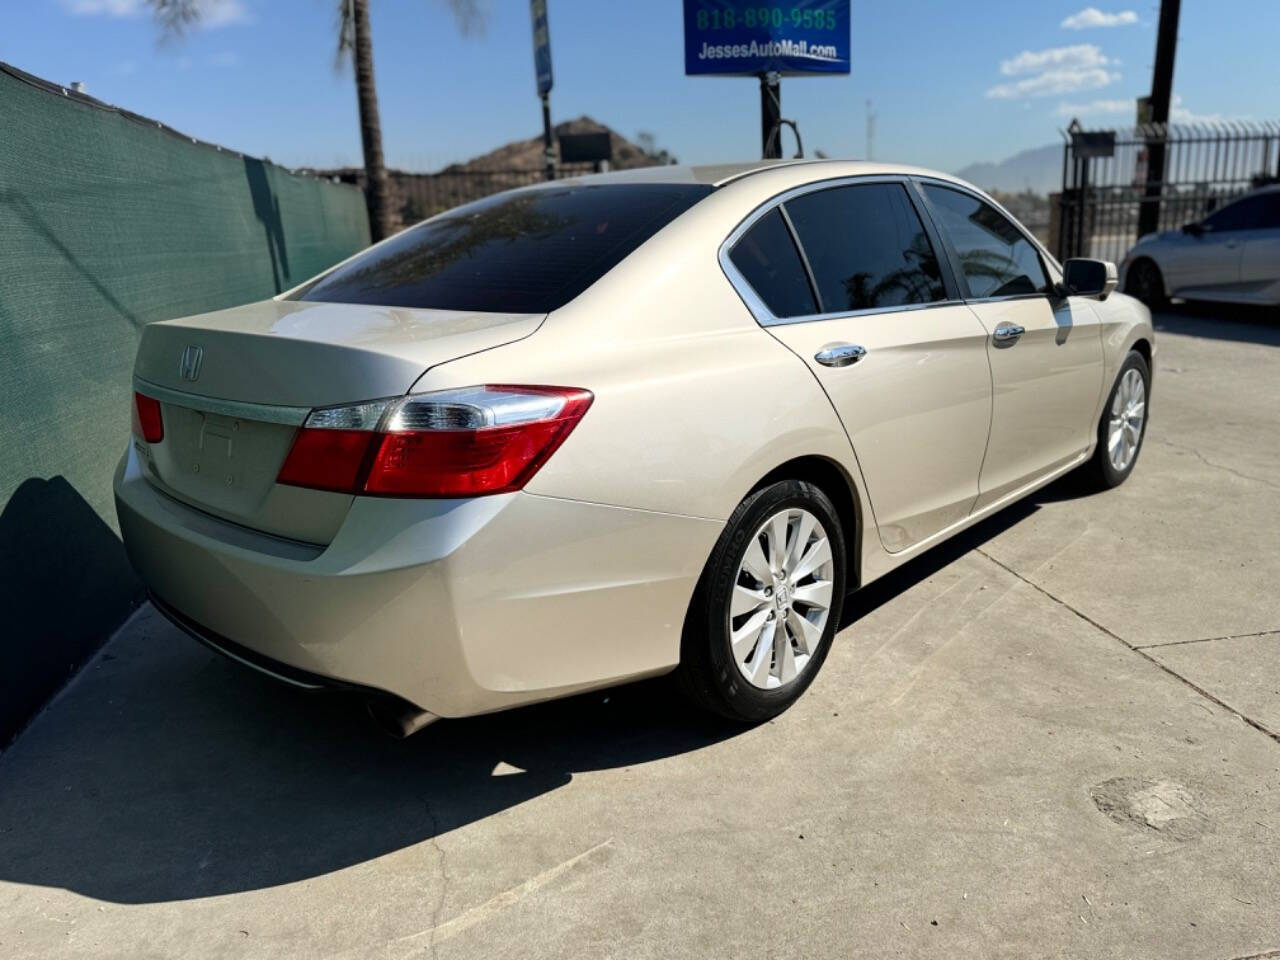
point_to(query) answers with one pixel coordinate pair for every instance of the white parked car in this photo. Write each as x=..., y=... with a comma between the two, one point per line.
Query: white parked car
x=611, y=427
x=1232, y=255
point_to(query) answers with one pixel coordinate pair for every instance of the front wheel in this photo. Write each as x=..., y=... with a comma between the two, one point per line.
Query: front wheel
x=1123, y=424
x=767, y=605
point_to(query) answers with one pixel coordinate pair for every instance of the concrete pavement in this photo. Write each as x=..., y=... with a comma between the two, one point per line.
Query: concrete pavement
x=1058, y=736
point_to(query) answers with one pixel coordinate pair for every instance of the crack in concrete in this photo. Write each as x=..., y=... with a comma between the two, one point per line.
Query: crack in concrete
x=592, y=857
x=1261, y=728
x=1230, y=636
x=1267, y=955
x=1218, y=466
x=441, y=866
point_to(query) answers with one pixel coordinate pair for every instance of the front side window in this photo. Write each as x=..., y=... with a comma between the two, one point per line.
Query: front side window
x=996, y=258
x=866, y=247
x=767, y=257
x=530, y=251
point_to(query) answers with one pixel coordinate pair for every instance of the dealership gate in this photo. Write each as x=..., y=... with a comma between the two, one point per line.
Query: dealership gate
x=1107, y=180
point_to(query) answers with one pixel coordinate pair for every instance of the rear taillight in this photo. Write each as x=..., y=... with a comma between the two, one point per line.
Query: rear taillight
x=453, y=443
x=147, y=423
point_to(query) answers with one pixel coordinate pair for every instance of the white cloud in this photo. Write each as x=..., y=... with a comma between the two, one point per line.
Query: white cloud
x=1096, y=107
x=1180, y=114
x=1093, y=17
x=110, y=8
x=1077, y=57
x=223, y=13
x=1053, y=72
x=213, y=13
x=1053, y=83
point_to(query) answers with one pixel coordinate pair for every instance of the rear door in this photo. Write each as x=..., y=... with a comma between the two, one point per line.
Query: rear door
x=848, y=278
x=1045, y=350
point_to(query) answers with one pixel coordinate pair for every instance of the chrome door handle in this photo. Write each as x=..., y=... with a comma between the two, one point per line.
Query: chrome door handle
x=840, y=354
x=1008, y=332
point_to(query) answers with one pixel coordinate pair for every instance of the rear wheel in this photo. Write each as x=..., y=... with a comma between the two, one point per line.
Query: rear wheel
x=1123, y=424
x=767, y=605
x=1145, y=282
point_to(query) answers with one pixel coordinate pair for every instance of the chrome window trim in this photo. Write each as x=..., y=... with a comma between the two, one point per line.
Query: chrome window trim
x=236, y=409
x=763, y=315
x=1052, y=269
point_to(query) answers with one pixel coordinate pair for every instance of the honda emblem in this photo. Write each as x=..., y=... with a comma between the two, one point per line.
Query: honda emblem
x=190, y=365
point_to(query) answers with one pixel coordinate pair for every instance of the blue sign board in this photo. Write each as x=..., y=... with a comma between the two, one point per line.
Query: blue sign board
x=541, y=46
x=789, y=37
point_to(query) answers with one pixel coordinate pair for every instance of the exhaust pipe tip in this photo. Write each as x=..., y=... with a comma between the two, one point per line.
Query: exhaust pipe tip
x=398, y=718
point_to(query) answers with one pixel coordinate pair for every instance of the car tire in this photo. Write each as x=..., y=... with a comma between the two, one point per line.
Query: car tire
x=1132, y=385
x=1145, y=281
x=751, y=682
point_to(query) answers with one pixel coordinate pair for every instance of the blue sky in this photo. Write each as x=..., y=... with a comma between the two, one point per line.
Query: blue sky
x=952, y=82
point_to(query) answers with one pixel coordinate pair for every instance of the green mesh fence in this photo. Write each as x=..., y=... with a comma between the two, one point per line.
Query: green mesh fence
x=109, y=221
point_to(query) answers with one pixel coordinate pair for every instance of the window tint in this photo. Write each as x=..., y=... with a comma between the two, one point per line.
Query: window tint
x=866, y=247
x=525, y=252
x=1259, y=212
x=997, y=260
x=767, y=257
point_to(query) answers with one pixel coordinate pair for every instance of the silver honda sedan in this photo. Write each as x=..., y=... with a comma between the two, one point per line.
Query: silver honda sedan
x=607, y=428
x=1231, y=256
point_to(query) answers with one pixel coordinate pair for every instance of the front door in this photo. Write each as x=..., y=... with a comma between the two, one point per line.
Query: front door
x=1045, y=350
x=1260, y=258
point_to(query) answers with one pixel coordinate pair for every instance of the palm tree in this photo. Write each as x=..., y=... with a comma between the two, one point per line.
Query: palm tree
x=174, y=16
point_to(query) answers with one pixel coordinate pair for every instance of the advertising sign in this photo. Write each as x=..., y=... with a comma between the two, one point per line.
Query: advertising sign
x=541, y=46
x=788, y=37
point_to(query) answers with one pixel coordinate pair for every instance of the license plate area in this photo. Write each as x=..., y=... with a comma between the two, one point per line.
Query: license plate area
x=226, y=463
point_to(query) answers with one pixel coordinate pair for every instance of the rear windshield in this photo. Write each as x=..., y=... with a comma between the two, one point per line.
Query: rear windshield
x=525, y=252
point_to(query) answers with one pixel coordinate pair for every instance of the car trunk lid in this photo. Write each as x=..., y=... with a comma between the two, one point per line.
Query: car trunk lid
x=235, y=385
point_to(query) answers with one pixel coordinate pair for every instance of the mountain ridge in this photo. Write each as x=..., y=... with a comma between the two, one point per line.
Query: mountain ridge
x=1038, y=170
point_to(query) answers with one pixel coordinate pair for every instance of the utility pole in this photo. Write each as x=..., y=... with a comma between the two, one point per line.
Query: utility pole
x=770, y=116
x=1160, y=102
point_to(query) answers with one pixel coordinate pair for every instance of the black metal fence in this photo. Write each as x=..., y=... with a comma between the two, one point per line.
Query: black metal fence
x=425, y=194
x=1107, y=178
x=420, y=195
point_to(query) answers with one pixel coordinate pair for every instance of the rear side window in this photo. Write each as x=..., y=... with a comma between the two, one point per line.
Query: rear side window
x=767, y=257
x=1260, y=212
x=525, y=252
x=995, y=257
x=866, y=247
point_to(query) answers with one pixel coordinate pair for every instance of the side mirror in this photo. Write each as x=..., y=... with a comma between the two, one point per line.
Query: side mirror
x=1193, y=229
x=1090, y=278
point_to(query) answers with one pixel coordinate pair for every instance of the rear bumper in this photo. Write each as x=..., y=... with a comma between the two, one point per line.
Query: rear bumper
x=457, y=606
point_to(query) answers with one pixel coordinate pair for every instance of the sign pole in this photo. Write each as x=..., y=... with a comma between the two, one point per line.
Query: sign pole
x=548, y=150
x=542, y=68
x=770, y=116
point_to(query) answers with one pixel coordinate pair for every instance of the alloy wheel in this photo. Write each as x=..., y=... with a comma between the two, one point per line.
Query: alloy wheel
x=781, y=599
x=1128, y=413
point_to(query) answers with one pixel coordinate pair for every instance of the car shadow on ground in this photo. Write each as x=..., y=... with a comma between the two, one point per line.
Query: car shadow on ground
x=169, y=773
x=1220, y=321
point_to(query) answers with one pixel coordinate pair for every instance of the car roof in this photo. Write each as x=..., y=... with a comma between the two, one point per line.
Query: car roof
x=719, y=174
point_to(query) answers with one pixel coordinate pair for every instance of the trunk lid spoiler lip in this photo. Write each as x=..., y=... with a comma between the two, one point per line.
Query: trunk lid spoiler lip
x=238, y=409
